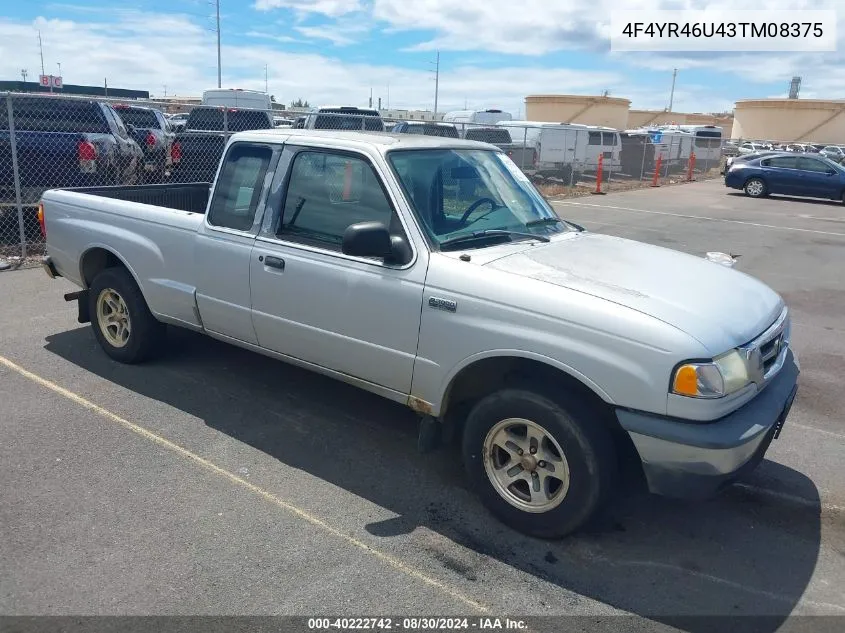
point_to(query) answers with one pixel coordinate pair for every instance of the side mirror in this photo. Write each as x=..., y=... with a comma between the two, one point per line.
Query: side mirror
x=373, y=239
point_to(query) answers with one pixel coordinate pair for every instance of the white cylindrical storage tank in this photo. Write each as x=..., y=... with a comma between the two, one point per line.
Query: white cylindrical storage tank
x=587, y=110
x=790, y=120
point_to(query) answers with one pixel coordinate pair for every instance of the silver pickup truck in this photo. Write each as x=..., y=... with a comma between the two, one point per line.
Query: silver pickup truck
x=431, y=272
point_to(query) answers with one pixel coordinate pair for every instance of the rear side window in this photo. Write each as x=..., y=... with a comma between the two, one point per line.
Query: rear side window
x=608, y=139
x=56, y=115
x=782, y=162
x=595, y=138
x=138, y=117
x=239, y=187
x=326, y=194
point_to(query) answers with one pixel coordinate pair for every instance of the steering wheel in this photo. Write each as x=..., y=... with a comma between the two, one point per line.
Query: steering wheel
x=474, y=206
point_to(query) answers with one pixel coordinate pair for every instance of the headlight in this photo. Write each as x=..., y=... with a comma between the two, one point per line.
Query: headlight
x=722, y=376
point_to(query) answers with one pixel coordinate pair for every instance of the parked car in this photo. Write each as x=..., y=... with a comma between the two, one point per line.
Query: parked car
x=743, y=158
x=555, y=351
x=751, y=148
x=65, y=142
x=791, y=174
x=426, y=128
x=497, y=136
x=152, y=132
x=344, y=118
x=177, y=121
x=836, y=153
x=198, y=148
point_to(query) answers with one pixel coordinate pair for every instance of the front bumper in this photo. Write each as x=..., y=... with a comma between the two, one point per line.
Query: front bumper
x=694, y=459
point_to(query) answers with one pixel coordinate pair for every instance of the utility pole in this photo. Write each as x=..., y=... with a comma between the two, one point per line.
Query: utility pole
x=672, y=94
x=41, y=50
x=219, y=69
x=436, y=82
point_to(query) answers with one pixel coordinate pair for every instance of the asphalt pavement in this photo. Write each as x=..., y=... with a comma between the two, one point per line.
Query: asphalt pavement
x=216, y=481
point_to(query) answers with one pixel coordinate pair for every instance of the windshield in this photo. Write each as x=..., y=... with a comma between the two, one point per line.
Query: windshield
x=458, y=192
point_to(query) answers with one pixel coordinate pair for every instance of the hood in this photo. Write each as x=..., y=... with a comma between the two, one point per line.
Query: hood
x=719, y=306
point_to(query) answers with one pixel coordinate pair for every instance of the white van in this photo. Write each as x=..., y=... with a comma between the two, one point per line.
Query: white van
x=237, y=98
x=477, y=117
x=604, y=141
x=545, y=148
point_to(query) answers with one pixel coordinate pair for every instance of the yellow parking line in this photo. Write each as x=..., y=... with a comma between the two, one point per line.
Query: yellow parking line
x=267, y=496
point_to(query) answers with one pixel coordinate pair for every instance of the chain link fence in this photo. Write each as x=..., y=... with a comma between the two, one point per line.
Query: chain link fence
x=55, y=141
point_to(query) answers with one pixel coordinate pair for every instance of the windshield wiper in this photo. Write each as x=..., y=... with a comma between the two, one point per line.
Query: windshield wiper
x=480, y=235
x=541, y=221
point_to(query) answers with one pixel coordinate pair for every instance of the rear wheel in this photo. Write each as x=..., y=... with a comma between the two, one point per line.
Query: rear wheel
x=755, y=188
x=541, y=468
x=122, y=323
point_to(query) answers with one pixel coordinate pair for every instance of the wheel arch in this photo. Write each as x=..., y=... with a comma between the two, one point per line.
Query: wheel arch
x=96, y=258
x=482, y=373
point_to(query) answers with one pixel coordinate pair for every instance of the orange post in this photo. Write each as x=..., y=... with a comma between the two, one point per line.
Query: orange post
x=691, y=167
x=599, y=172
x=654, y=182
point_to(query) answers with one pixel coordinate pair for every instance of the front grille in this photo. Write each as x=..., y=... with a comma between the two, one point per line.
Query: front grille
x=765, y=354
x=769, y=352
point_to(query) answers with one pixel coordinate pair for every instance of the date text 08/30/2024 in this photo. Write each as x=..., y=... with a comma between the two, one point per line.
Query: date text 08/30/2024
x=414, y=624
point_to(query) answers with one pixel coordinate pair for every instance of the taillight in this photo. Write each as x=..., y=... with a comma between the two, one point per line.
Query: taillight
x=41, y=220
x=150, y=140
x=87, y=154
x=176, y=152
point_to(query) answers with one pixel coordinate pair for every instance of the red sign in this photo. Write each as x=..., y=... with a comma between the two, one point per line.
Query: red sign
x=57, y=82
x=44, y=80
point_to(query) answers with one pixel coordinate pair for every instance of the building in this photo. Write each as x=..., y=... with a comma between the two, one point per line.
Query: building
x=790, y=120
x=588, y=110
x=75, y=90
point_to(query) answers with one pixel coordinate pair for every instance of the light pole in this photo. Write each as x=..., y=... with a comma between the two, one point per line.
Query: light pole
x=24, y=73
x=672, y=94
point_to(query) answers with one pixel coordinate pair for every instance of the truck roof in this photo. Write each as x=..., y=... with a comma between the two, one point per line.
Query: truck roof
x=381, y=140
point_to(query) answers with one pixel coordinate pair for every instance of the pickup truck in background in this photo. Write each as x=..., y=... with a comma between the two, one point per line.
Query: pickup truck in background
x=430, y=271
x=65, y=142
x=152, y=132
x=197, y=149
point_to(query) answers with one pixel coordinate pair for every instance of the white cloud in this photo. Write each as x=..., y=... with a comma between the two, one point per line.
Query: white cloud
x=341, y=34
x=182, y=55
x=330, y=8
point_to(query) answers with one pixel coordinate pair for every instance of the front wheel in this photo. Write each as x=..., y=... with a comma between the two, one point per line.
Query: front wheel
x=755, y=188
x=123, y=324
x=542, y=469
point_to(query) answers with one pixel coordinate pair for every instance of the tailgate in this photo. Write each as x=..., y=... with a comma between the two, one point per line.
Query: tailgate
x=200, y=156
x=45, y=160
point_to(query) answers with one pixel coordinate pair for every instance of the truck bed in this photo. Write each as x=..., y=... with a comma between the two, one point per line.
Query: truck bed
x=191, y=197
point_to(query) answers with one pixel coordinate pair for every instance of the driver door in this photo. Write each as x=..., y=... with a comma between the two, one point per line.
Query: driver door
x=310, y=301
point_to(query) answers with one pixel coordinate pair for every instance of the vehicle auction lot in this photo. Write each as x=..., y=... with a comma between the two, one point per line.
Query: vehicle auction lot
x=216, y=481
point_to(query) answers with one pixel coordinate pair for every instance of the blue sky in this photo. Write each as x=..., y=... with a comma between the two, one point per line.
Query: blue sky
x=492, y=52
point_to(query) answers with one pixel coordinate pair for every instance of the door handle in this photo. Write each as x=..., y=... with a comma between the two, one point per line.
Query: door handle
x=273, y=262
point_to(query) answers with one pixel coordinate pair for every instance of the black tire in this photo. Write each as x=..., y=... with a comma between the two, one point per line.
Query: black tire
x=146, y=334
x=586, y=445
x=755, y=188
